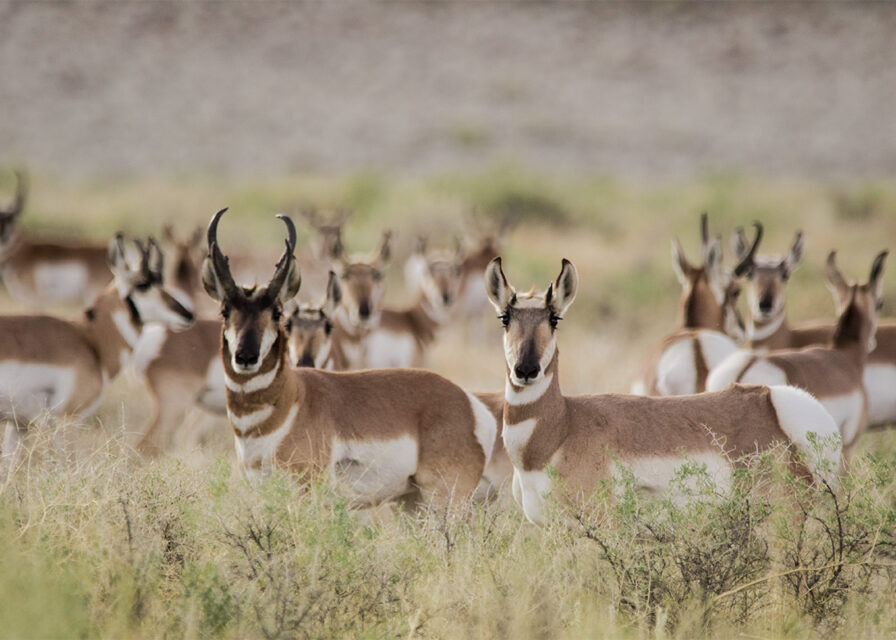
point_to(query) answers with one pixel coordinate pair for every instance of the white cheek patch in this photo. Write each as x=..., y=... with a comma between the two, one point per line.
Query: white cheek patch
x=368, y=473
x=247, y=421
x=267, y=341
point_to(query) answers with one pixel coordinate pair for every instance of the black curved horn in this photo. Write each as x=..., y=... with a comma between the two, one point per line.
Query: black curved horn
x=18, y=202
x=219, y=262
x=746, y=262
x=284, y=263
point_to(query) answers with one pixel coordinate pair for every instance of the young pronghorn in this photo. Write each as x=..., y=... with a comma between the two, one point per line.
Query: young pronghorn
x=766, y=291
x=313, y=339
x=709, y=324
x=38, y=273
x=833, y=373
x=402, y=336
x=62, y=367
x=584, y=438
x=381, y=435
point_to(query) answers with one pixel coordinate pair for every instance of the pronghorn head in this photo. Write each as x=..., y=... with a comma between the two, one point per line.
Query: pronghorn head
x=362, y=285
x=309, y=328
x=858, y=305
x=709, y=296
x=9, y=214
x=327, y=244
x=142, y=288
x=251, y=314
x=186, y=257
x=442, y=277
x=530, y=320
x=767, y=276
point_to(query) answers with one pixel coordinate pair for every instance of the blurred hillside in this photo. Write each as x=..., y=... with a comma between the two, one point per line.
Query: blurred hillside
x=625, y=89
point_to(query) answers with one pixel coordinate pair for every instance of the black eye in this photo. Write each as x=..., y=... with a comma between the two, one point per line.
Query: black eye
x=225, y=312
x=288, y=325
x=143, y=286
x=554, y=319
x=276, y=314
x=328, y=327
x=505, y=319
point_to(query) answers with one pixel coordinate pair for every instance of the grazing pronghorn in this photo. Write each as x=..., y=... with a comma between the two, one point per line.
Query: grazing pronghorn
x=833, y=373
x=38, y=272
x=362, y=287
x=401, y=336
x=310, y=331
x=768, y=279
x=381, y=435
x=62, y=367
x=709, y=324
x=584, y=438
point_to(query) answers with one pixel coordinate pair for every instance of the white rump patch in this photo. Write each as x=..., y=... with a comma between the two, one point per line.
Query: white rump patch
x=676, y=371
x=386, y=349
x=880, y=385
x=370, y=472
x=27, y=390
x=263, y=448
x=149, y=345
x=249, y=420
x=485, y=426
x=800, y=414
x=847, y=410
x=716, y=347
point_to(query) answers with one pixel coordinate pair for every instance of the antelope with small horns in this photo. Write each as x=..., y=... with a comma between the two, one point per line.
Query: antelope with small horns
x=585, y=438
x=62, y=367
x=379, y=435
x=832, y=373
x=314, y=341
x=709, y=324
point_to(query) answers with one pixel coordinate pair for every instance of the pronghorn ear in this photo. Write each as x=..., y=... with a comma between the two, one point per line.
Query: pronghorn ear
x=680, y=263
x=790, y=263
x=156, y=258
x=334, y=296
x=210, y=280
x=384, y=253
x=291, y=283
x=497, y=289
x=875, y=280
x=562, y=291
x=838, y=284
x=739, y=243
x=116, y=255
x=713, y=259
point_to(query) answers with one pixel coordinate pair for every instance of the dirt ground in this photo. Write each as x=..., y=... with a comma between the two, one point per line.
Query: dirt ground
x=628, y=89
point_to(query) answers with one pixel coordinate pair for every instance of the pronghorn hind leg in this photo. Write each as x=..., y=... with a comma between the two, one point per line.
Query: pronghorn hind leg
x=172, y=399
x=11, y=453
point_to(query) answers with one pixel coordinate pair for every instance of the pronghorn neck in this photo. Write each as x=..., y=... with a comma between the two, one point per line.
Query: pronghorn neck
x=432, y=316
x=12, y=246
x=350, y=332
x=535, y=419
x=700, y=309
x=768, y=331
x=851, y=332
x=113, y=327
x=271, y=384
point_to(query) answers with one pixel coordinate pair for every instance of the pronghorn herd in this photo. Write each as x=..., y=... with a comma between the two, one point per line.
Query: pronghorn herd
x=330, y=381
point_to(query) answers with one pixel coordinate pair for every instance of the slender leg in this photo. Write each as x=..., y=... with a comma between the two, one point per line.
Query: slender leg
x=11, y=455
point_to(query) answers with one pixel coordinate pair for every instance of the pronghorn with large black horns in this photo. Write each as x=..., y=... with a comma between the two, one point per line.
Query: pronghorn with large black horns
x=585, y=438
x=709, y=323
x=38, y=272
x=62, y=367
x=380, y=435
x=833, y=373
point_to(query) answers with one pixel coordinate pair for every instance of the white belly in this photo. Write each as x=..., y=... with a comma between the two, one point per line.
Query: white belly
x=683, y=476
x=368, y=473
x=880, y=384
x=847, y=411
x=386, y=350
x=61, y=281
x=27, y=390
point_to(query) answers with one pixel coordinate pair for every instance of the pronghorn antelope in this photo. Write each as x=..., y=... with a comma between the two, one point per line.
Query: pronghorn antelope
x=361, y=283
x=584, y=438
x=184, y=259
x=326, y=247
x=402, y=336
x=709, y=324
x=833, y=373
x=381, y=435
x=62, y=367
x=38, y=272
x=310, y=331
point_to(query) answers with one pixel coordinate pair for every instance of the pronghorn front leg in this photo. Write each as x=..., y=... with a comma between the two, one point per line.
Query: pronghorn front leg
x=11, y=454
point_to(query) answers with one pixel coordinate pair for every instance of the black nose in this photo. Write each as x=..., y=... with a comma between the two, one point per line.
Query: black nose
x=446, y=298
x=246, y=357
x=306, y=361
x=766, y=302
x=527, y=371
x=364, y=310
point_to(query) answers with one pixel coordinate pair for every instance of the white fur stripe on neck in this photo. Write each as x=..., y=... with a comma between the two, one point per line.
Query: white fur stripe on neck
x=767, y=330
x=129, y=334
x=249, y=420
x=257, y=383
x=528, y=394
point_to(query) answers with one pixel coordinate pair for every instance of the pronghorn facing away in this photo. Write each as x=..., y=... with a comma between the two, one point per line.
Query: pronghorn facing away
x=49, y=364
x=709, y=323
x=184, y=259
x=40, y=273
x=834, y=373
x=584, y=438
x=381, y=435
x=402, y=336
x=313, y=342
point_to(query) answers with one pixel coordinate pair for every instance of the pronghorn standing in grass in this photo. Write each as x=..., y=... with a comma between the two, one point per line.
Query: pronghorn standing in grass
x=381, y=435
x=309, y=328
x=584, y=438
x=401, y=336
x=325, y=249
x=709, y=324
x=766, y=288
x=62, y=367
x=38, y=272
x=833, y=373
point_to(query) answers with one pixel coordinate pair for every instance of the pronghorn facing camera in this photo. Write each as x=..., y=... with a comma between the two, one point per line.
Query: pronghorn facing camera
x=584, y=438
x=49, y=364
x=313, y=339
x=325, y=249
x=380, y=435
x=709, y=324
x=402, y=336
x=834, y=373
x=39, y=273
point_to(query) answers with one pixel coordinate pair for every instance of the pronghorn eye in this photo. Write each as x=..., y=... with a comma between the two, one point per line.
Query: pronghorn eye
x=276, y=314
x=554, y=319
x=328, y=327
x=504, y=318
x=225, y=312
x=288, y=325
x=142, y=286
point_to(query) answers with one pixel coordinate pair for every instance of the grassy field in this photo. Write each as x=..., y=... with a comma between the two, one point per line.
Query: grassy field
x=100, y=544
